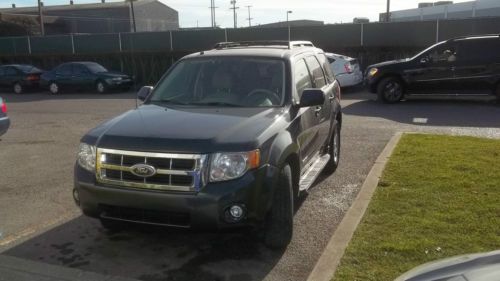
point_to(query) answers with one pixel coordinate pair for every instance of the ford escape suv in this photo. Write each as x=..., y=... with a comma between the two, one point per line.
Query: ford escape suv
x=227, y=138
x=466, y=65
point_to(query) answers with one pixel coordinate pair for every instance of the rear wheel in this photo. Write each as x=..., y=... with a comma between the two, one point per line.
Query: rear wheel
x=17, y=88
x=54, y=88
x=278, y=228
x=334, y=150
x=390, y=90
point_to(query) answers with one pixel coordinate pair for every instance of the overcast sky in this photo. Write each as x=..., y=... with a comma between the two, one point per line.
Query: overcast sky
x=193, y=12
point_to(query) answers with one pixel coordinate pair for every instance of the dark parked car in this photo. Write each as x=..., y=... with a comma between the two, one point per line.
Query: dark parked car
x=4, y=120
x=19, y=77
x=227, y=138
x=84, y=76
x=465, y=65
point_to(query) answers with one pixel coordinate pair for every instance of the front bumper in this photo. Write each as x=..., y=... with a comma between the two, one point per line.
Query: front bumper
x=4, y=125
x=120, y=84
x=205, y=210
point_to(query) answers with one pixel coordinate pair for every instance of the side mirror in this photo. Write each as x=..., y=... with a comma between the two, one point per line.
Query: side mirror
x=144, y=93
x=312, y=97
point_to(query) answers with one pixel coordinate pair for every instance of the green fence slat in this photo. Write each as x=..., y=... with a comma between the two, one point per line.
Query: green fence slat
x=96, y=43
x=146, y=41
x=58, y=44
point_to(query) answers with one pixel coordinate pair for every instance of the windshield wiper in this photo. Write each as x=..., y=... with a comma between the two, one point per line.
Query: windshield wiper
x=217, y=103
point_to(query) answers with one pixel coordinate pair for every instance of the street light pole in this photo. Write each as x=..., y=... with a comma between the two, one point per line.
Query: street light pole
x=40, y=15
x=288, y=24
x=133, y=15
x=249, y=17
x=233, y=2
x=388, y=12
x=287, y=13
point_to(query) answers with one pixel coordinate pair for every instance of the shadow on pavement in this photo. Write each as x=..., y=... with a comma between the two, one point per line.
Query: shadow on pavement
x=151, y=253
x=432, y=112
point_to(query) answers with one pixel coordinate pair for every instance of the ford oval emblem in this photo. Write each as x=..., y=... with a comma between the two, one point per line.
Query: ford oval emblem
x=143, y=170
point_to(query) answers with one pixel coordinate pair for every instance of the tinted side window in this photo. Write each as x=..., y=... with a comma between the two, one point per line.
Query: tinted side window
x=10, y=71
x=80, y=70
x=484, y=50
x=325, y=62
x=442, y=53
x=302, y=77
x=64, y=70
x=1, y=71
x=316, y=71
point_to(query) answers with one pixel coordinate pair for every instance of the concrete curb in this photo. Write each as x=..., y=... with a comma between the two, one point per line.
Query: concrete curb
x=16, y=269
x=327, y=264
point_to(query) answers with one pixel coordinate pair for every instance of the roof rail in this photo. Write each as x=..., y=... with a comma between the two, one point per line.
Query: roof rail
x=475, y=36
x=287, y=44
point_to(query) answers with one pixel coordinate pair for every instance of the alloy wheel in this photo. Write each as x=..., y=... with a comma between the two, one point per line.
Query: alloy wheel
x=393, y=91
x=53, y=88
x=18, y=88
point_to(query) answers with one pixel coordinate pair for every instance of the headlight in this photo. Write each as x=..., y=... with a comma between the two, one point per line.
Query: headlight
x=372, y=71
x=228, y=166
x=86, y=157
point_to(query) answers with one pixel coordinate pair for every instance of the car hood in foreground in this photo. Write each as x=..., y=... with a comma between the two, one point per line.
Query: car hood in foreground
x=475, y=267
x=186, y=129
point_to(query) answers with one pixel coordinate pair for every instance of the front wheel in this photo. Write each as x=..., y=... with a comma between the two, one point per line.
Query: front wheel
x=334, y=150
x=390, y=90
x=278, y=228
x=101, y=87
x=17, y=88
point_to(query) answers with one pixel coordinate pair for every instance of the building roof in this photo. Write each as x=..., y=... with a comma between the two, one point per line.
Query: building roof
x=121, y=4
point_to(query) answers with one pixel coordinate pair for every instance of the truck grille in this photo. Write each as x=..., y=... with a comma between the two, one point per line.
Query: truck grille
x=173, y=172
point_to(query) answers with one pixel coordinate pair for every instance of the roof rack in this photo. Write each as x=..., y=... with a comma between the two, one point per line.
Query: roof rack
x=287, y=44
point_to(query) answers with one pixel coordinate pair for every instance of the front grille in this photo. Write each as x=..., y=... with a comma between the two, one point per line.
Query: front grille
x=176, y=172
x=145, y=216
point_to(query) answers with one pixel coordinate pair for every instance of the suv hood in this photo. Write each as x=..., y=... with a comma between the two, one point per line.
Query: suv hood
x=388, y=63
x=185, y=129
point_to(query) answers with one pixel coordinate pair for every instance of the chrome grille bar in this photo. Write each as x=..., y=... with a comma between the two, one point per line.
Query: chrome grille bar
x=187, y=180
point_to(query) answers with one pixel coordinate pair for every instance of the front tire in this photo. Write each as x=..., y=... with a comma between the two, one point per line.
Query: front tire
x=390, y=90
x=101, y=87
x=17, y=88
x=54, y=88
x=278, y=229
x=334, y=150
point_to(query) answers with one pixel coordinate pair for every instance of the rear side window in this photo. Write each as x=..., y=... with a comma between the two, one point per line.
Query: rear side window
x=302, y=77
x=325, y=62
x=1, y=71
x=316, y=71
x=10, y=71
x=484, y=50
x=79, y=70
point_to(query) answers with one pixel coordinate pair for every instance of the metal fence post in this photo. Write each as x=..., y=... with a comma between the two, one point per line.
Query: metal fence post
x=225, y=34
x=171, y=42
x=437, y=31
x=120, y=41
x=362, y=35
x=29, y=45
x=72, y=44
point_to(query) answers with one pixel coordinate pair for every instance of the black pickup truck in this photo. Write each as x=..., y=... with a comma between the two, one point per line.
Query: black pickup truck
x=227, y=138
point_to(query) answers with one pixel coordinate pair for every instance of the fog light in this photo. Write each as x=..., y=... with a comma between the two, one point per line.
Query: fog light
x=76, y=197
x=235, y=213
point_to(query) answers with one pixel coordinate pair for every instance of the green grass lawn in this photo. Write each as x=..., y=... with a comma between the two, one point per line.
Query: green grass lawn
x=439, y=196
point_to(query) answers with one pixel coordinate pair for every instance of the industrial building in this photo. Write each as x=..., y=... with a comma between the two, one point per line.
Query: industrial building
x=150, y=15
x=447, y=10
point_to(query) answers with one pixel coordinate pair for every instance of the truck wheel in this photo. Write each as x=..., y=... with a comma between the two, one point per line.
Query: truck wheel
x=54, y=88
x=333, y=150
x=111, y=225
x=17, y=88
x=101, y=87
x=390, y=90
x=278, y=228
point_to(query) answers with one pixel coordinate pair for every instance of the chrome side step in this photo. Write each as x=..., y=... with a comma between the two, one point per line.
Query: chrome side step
x=308, y=178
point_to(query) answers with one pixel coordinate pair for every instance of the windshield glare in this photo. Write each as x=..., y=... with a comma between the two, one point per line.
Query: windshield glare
x=96, y=68
x=426, y=50
x=224, y=81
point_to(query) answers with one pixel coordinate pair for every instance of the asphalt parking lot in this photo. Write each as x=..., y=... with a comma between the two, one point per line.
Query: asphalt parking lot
x=39, y=221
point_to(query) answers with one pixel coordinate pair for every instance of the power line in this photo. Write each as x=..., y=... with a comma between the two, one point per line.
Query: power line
x=249, y=16
x=233, y=2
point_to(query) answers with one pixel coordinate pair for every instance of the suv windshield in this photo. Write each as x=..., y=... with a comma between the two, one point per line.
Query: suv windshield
x=224, y=81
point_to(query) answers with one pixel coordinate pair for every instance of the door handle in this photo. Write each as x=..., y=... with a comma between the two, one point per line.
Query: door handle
x=331, y=97
x=317, y=110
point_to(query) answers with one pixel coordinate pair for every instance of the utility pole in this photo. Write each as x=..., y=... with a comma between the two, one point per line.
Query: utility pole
x=287, y=13
x=388, y=12
x=40, y=15
x=233, y=2
x=133, y=15
x=212, y=12
x=249, y=17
